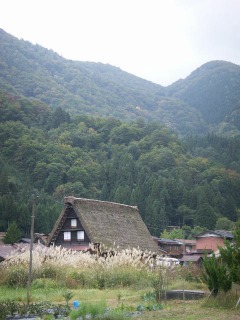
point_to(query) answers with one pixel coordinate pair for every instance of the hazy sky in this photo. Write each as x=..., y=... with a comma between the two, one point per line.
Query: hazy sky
x=158, y=40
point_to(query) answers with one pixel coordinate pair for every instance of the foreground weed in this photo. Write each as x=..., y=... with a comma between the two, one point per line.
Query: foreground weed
x=149, y=296
x=86, y=310
x=9, y=307
x=221, y=301
x=68, y=295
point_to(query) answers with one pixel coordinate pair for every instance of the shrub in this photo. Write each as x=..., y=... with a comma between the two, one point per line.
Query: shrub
x=9, y=307
x=4, y=275
x=68, y=295
x=215, y=275
x=222, y=301
x=92, y=310
x=48, y=271
x=123, y=276
x=86, y=278
x=230, y=255
x=112, y=316
x=17, y=276
x=13, y=234
x=70, y=283
x=42, y=283
x=79, y=277
x=101, y=277
x=192, y=273
x=160, y=284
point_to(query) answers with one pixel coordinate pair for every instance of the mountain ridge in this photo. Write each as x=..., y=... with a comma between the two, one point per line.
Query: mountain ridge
x=221, y=79
x=205, y=101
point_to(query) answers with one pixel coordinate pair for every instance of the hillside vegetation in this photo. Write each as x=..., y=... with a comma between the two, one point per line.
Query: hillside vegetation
x=206, y=101
x=193, y=183
x=77, y=128
x=212, y=89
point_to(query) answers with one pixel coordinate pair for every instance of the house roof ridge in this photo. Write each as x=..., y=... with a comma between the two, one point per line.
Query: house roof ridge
x=186, y=240
x=220, y=233
x=72, y=199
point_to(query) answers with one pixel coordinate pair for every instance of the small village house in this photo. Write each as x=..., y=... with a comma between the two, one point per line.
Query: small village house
x=211, y=240
x=189, y=245
x=86, y=222
x=207, y=242
x=23, y=244
x=171, y=247
x=193, y=251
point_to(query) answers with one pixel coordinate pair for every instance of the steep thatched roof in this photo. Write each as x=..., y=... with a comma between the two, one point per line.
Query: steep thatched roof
x=110, y=224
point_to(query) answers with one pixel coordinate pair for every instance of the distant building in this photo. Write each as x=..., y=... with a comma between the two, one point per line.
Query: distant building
x=193, y=251
x=211, y=240
x=207, y=242
x=173, y=248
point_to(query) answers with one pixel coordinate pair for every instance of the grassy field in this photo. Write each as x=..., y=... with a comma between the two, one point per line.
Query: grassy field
x=130, y=299
x=191, y=310
x=123, y=284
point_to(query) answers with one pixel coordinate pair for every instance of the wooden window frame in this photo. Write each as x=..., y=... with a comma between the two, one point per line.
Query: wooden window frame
x=74, y=225
x=67, y=236
x=82, y=233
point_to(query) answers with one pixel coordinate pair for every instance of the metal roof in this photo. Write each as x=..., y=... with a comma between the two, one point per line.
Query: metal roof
x=221, y=233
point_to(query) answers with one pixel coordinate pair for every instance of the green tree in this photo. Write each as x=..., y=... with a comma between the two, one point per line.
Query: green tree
x=186, y=213
x=59, y=116
x=230, y=255
x=125, y=133
x=216, y=275
x=197, y=230
x=13, y=234
x=205, y=216
x=173, y=234
x=224, y=223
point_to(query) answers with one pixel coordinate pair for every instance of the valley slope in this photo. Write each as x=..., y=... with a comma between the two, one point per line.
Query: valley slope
x=206, y=101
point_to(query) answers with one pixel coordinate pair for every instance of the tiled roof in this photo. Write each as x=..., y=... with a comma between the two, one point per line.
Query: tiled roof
x=5, y=250
x=221, y=233
x=191, y=258
x=170, y=241
x=8, y=249
x=187, y=241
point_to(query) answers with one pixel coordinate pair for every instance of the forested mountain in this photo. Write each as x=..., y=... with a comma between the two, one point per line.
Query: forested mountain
x=206, y=101
x=138, y=163
x=78, y=87
x=213, y=90
x=77, y=128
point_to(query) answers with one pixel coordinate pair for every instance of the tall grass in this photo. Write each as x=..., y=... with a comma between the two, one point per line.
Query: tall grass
x=56, y=266
x=222, y=301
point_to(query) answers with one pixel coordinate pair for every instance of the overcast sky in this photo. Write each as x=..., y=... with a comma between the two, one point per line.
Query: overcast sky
x=158, y=40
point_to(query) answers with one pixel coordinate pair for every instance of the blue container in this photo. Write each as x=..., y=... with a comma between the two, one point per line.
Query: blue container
x=75, y=304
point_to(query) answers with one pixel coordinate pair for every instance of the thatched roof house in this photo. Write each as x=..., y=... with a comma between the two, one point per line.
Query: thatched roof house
x=84, y=221
x=5, y=250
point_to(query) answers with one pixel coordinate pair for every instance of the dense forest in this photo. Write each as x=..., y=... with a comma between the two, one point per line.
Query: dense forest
x=92, y=130
x=193, y=181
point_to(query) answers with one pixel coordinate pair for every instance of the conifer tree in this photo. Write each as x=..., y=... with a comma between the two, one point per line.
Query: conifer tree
x=216, y=275
x=13, y=234
x=231, y=256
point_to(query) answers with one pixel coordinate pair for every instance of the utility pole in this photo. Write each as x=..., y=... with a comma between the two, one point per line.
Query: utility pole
x=31, y=249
